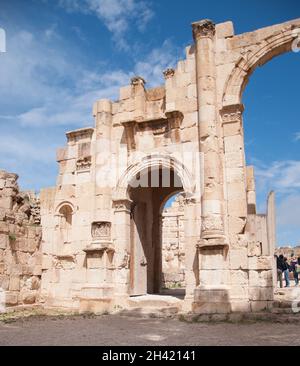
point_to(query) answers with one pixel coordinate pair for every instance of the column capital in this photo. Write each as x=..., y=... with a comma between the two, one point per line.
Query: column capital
x=168, y=73
x=203, y=28
x=122, y=204
x=212, y=226
x=232, y=113
x=137, y=80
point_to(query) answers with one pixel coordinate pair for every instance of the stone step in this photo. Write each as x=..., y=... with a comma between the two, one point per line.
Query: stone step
x=151, y=312
x=154, y=301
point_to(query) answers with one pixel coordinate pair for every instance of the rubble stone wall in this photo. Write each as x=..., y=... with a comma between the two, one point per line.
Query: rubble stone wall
x=20, y=239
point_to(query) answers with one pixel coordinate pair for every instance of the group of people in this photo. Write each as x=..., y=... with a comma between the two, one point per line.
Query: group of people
x=284, y=267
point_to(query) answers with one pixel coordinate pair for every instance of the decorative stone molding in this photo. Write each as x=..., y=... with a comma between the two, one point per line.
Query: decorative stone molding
x=169, y=73
x=232, y=113
x=203, y=28
x=100, y=247
x=84, y=163
x=212, y=225
x=101, y=230
x=189, y=201
x=80, y=134
x=137, y=80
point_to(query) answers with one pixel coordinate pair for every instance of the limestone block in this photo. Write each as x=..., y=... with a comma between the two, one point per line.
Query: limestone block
x=95, y=275
x=236, y=224
x=235, y=175
x=11, y=298
x=260, y=263
x=257, y=306
x=236, y=191
x=37, y=270
x=254, y=279
x=212, y=259
x=234, y=159
x=237, y=207
x=232, y=129
x=239, y=292
x=261, y=293
x=4, y=281
x=254, y=249
x=28, y=296
x=239, y=277
x=233, y=143
x=79, y=275
x=214, y=277
x=224, y=30
x=35, y=283
x=240, y=306
x=14, y=283
x=238, y=258
x=3, y=241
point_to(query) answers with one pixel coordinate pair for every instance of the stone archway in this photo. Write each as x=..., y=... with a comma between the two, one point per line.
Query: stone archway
x=279, y=42
x=138, y=209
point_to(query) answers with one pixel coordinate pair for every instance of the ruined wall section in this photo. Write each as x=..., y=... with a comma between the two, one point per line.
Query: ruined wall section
x=20, y=239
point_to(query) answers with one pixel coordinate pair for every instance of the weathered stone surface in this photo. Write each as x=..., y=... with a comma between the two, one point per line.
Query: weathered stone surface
x=100, y=231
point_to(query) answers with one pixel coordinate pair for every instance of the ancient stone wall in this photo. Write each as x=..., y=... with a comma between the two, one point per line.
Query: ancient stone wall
x=173, y=251
x=20, y=238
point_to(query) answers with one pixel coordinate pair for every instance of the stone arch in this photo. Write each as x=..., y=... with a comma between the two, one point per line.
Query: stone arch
x=64, y=214
x=278, y=43
x=150, y=161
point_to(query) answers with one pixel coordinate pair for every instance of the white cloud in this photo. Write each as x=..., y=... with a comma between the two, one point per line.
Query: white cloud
x=117, y=15
x=297, y=136
x=289, y=212
x=51, y=92
x=282, y=176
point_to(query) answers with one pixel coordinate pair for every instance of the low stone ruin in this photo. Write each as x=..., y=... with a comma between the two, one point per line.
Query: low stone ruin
x=20, y=239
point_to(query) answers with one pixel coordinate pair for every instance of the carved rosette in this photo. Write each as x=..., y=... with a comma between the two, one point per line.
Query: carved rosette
x=232, y=113
x=169, y=73
x=204, y=28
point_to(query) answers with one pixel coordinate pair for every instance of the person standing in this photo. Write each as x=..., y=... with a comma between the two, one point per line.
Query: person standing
x=294, y=263
x=286, y=270
x=280, y=269
x=297, y=271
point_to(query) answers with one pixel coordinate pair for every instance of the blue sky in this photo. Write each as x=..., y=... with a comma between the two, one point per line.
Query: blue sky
x=62, y=55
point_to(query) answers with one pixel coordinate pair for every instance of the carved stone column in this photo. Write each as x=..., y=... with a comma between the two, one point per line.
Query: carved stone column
x=138, y=90
x=122, y=237
x=235, y=167
x=212, y=195
x=191, y=235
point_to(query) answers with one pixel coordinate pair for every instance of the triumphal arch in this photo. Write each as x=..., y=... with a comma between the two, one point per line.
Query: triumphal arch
x=101, y=224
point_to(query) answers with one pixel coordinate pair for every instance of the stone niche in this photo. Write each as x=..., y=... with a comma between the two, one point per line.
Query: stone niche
x=100, y=251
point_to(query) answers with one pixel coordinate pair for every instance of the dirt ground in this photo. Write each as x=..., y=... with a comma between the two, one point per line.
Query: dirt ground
x=109, y=330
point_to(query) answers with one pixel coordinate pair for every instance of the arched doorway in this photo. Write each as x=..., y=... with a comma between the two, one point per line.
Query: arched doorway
x=148, y=191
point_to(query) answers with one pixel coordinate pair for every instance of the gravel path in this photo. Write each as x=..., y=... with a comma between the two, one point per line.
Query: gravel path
x=117, y=330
